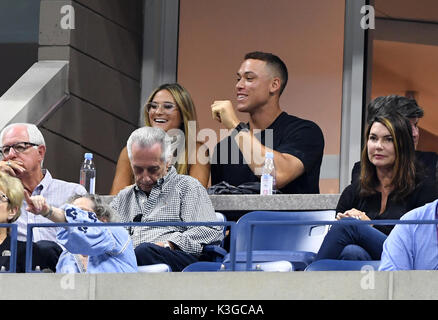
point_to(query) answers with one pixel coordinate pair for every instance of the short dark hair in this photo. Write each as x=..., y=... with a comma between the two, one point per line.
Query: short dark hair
x=274, y=62
x=385, y=105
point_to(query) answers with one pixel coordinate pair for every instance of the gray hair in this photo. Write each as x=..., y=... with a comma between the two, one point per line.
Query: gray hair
x=100, y=207
x=146, y=137
x=35, y=135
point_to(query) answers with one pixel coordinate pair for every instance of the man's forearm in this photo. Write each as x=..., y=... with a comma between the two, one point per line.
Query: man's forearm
x=287, y=167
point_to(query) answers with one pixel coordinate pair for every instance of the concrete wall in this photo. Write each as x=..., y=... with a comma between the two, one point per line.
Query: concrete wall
x=18, y=39
x=349, y=285
x=104, y=52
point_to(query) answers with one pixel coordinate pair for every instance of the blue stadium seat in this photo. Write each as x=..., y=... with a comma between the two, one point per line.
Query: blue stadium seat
x=343, y=265
x=215, y=252
x=295, y=243
x=273, y=266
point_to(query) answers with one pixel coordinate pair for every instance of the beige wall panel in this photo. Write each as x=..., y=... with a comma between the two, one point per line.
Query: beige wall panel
x=329, y=185
x=425, y=10
x=399, y=67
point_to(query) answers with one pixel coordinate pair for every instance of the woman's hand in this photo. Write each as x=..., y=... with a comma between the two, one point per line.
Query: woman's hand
x=352, y=213
x=37, y=204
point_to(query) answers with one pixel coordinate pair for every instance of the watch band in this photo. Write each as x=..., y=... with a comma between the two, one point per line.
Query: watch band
x=167, y=245
x=242, y=126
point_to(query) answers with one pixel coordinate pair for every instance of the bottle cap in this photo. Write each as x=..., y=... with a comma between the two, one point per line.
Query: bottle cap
x=88, y=156
x=269, y=155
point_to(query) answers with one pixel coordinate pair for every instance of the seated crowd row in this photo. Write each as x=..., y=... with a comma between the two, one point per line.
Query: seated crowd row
x=391, y=180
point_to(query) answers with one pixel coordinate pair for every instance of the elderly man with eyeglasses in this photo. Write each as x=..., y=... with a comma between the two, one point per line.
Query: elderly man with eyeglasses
x=22, y=150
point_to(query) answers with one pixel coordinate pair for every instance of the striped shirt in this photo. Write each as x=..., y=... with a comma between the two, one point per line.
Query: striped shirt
x=174, y=198
x=56, y=192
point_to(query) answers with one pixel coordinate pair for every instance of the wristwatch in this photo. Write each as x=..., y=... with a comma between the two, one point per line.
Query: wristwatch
x=167, y=245
x=242, y=126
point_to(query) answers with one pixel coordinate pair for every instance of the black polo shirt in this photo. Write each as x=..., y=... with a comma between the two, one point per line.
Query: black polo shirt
x=292, y=135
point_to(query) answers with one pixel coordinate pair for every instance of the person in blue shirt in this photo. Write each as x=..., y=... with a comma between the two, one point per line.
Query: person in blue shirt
x=413, y=246
x=87, y=249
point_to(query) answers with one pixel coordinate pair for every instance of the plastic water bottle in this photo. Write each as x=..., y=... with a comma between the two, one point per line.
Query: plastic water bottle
x=87, y=176
x=267, y=180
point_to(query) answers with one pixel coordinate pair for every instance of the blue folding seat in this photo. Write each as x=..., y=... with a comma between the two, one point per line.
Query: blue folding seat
x=343, y=265
x=297, y=243
x=216, y=252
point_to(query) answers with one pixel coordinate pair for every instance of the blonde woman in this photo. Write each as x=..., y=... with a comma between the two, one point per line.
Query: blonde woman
x=170, y=107
x=11, y=198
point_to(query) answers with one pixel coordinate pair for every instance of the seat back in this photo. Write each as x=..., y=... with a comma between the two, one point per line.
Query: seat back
x=221, y=218
x=283, y=236
x=343, y=265
x=215, y=252
x=271, y=266
x=159, y=267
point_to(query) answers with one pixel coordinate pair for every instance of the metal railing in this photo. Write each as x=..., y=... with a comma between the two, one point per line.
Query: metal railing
x=232, y=225
x=13, y=247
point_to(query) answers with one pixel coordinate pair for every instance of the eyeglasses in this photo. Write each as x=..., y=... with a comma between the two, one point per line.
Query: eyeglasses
x=167, y=106
x=18, y=147
x=3, y=197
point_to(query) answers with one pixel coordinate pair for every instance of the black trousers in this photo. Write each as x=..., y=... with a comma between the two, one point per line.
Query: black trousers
x=46, y=254
x=149, y=253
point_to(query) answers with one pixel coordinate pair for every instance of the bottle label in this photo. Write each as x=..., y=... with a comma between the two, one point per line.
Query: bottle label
x=266, y=183
x=88, y=180
x=92, y=185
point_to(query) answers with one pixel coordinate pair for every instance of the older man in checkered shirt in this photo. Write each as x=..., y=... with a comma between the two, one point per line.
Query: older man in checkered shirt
x=160, y=194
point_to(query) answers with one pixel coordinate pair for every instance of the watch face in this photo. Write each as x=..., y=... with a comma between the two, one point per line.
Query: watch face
x=242, y=126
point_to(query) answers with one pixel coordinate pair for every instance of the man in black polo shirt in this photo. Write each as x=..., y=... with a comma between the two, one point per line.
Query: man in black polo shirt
x=297, y=144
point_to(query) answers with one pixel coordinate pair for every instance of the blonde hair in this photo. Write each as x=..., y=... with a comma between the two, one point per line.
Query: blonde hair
x=186, y=108
x=14, y=190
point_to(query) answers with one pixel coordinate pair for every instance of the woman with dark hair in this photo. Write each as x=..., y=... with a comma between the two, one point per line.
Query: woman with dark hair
x=171, y=108
x=390, y=185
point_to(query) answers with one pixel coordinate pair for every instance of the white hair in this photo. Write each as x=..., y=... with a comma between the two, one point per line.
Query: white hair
x=35, y=135
x=146, y=137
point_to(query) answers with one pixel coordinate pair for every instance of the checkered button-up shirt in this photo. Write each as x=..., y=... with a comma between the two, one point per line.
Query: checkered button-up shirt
x=175, y=198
